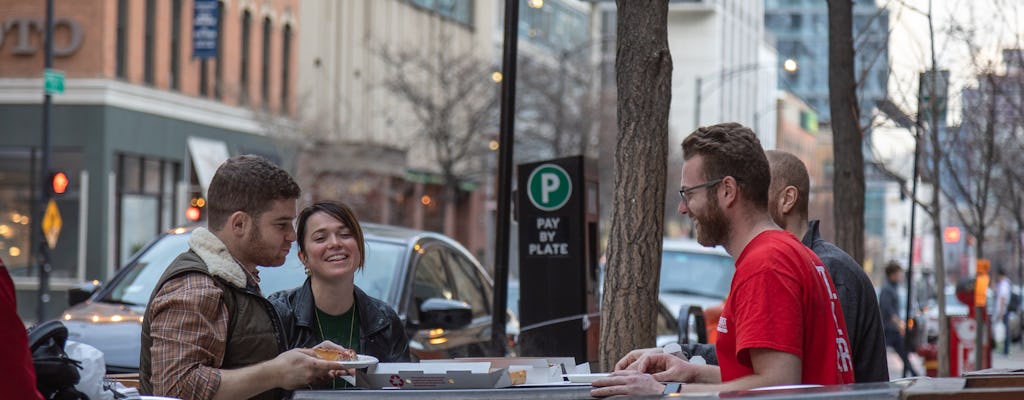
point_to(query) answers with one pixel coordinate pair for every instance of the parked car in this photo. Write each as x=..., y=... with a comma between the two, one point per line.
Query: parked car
x=404, y=267
x=691, y=276
x=694, y=277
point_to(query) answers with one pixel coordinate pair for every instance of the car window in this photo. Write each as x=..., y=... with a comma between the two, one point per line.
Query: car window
x=666, y=323
x=468, y=283
x=684, y=272
x=137, y=285
x=430, y=279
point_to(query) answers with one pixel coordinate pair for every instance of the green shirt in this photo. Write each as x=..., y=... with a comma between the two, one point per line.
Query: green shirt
x=341, y=329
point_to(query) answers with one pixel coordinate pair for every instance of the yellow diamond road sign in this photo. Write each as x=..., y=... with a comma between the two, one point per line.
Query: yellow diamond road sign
x=52, y=223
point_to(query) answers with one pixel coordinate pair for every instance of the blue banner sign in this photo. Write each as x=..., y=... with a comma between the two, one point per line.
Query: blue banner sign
x=204, y=29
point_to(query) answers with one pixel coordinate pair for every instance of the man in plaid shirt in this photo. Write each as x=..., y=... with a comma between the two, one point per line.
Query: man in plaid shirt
x=208, y=332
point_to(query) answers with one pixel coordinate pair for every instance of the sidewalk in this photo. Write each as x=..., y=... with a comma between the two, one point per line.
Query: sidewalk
x=1015, y=360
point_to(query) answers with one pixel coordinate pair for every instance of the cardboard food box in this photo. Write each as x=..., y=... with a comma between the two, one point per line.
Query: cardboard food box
x=448, y=375
x=522, y=370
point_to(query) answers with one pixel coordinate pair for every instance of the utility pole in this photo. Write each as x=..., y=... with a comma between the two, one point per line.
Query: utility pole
x=506, y=141
x=44, y=251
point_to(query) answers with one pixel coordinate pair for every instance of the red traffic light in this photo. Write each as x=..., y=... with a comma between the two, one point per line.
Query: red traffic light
x=951, y=234
x=193, y=213
x=59, y=181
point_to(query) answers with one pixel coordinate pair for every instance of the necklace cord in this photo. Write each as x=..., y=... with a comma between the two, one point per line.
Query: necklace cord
x=351, y=330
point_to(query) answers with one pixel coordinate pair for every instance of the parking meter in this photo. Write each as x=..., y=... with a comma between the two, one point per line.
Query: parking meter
x=557, y=210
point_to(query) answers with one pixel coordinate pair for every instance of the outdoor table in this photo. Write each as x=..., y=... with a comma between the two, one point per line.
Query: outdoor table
x=882, y=390
x=879, y=390
x=522, y=392
x=959, y=388
x=995, y=377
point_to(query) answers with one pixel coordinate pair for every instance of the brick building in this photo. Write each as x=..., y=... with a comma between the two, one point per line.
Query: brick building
x=142, y=124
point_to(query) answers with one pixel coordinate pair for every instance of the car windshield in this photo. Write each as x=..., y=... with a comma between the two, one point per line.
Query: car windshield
x=703, y=274
x=135, y=288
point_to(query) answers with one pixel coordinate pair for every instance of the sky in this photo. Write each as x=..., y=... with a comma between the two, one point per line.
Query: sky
x=969, y=37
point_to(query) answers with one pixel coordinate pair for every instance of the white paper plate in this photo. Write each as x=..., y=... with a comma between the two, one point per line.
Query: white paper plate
x=584, y=378
x=364, y=361
x=781, y=387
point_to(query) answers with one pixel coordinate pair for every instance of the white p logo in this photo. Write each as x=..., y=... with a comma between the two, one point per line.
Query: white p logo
x=549, y=182
x=549, y=187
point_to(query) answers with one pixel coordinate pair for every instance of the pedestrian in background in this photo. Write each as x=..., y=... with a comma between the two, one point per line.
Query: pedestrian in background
x=895, y=328
x=1002, y=314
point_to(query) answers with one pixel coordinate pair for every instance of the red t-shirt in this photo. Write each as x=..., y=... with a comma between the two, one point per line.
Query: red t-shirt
x=17, y=376
x=782, y=298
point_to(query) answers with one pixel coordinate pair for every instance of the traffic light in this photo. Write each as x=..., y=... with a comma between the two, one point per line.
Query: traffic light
x=195, y=210
x=59, y=182
x=951, y=234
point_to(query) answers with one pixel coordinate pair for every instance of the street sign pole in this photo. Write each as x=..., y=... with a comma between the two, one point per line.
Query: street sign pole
x=506, y=141
x=44, y=251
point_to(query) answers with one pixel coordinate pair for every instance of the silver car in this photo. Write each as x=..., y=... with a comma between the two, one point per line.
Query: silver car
x=404, y=267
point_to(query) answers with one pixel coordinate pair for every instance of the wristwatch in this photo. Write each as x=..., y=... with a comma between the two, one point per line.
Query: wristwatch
x=672, y=387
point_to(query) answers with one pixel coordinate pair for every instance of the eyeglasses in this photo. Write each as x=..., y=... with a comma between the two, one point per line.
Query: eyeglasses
x=684, y=191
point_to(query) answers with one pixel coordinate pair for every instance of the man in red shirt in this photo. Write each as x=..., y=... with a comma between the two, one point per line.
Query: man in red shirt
x=782, y=323
x=19, y=377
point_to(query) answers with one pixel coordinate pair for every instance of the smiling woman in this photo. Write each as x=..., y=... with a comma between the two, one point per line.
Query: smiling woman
x=328, y=306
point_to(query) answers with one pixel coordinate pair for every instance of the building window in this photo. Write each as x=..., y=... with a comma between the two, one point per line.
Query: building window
x=286, y=56
x=265, y=65
x=150, y=21
x=218, y=89
x=145, y=201
x=122, y=36
x=243, y=75
x=20, y=207
x=175, y=44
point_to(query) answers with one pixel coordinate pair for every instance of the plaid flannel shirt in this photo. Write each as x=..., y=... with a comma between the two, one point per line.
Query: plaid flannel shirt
x=189, y=329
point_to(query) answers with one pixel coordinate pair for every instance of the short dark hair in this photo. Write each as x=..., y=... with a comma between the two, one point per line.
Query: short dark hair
x=340, y=211
x=731, y=149
x=892, y=267
x=247, y=183
x=788, y=170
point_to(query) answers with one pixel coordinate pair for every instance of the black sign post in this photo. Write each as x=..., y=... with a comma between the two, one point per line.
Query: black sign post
x=557, y=214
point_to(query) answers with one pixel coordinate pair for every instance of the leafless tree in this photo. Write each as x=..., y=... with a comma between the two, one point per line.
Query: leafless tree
x=643, y=68
x=558, y=105
x=453, y=101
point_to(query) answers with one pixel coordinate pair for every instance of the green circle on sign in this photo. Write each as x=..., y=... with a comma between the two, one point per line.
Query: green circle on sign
x=549, y=187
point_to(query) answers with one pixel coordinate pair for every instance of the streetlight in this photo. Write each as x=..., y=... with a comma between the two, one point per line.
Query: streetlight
x=789, y=65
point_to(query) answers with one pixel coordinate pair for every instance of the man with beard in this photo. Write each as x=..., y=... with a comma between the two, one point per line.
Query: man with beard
x=788, y=199
x=208, y=332
x=782, y=323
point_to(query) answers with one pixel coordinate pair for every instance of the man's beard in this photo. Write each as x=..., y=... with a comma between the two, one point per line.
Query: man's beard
x=263, y=254
x=712, y=226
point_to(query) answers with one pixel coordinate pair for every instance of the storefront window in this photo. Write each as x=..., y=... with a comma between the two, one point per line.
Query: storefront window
x=146, y=193
x=20, y=178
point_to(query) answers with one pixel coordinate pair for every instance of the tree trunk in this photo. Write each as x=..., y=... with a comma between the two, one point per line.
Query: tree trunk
x=848, y=180
x=643, y=68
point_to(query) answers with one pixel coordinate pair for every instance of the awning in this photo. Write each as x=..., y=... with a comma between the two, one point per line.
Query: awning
x=207, y=156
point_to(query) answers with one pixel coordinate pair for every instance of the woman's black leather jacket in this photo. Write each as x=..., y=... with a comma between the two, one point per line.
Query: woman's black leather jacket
x=381, y=332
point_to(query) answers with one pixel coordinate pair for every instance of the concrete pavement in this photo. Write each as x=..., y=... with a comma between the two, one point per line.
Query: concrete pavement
x=1015, y=360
